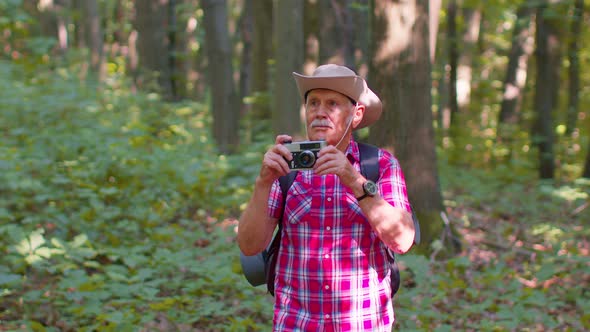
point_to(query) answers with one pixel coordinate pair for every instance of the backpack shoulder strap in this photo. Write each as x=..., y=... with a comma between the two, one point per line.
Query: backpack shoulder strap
x=272, y=252
x=286, y=181
x=369, y=156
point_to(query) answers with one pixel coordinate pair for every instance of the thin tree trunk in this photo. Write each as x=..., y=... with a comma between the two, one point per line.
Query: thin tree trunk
x=444, y=111
x=434, y=18
x=400, y=73
x=120, y=19
x=522, y=47
x=183, y=34
x=586, y=172
x=360, y=22
x=154, y=72
x=262, y=52
x=225, y=104
x=262, y=44
x=133, y=60
x=574, y=68
x=290, y=53
x=548, y=65
x=93, y=35
x=453, y=59
x=311, y=32
x=173, y=49
x=473, y=18
x=246, y=31
x=52, y=21
x=335, y=33
x=193, y=63
x=245, y=84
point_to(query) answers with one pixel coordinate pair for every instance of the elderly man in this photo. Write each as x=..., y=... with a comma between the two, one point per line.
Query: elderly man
x=332, y=271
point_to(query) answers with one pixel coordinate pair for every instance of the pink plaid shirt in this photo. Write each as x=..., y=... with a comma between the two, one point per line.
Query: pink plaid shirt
x=332, y=269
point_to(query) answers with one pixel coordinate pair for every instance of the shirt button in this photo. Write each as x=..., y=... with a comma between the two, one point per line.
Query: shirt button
x=328, y=228
x=327, y=316
x=329, y=199
x=327, y=287
x=327, y=256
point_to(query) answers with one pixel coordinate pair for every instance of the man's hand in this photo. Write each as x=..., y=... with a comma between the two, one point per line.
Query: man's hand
x=333, y=161
x=273, y=163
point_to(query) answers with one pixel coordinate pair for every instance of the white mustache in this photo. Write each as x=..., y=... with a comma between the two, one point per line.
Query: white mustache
x=321, y=123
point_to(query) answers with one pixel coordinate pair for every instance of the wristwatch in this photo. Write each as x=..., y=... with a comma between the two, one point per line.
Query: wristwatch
x=370, y=189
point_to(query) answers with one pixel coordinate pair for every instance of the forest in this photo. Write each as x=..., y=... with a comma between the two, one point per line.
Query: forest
x=132, y=133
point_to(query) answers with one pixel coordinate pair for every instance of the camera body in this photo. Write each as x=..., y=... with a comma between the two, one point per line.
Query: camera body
x=304, y=153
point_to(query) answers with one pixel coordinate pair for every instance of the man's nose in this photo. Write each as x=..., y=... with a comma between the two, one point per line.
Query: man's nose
x=322, y=111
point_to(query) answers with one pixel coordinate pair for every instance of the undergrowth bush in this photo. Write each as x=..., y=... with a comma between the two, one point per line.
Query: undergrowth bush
x=110, y=210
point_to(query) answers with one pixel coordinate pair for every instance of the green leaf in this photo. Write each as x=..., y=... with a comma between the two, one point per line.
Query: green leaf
x=8, y=279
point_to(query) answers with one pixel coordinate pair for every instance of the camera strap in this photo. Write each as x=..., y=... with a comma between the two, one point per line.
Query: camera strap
x=347, y=126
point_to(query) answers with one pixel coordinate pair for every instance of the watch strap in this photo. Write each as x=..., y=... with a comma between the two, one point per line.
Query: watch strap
x=365, y=195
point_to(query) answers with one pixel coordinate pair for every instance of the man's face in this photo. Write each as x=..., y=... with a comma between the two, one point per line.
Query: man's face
x=327, y=115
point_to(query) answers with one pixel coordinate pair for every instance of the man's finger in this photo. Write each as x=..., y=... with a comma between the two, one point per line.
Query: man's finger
x=283, y=151
x=280, y=139
x=279, y=164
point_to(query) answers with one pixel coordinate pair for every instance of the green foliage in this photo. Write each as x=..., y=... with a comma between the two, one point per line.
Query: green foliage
x=113, y=211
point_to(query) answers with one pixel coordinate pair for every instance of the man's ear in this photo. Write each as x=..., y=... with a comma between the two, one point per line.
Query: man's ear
x=357, y=117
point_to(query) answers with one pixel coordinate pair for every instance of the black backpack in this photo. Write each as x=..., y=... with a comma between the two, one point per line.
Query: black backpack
x=369, y=159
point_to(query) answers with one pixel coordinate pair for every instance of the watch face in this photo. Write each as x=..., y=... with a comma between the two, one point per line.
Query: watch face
x=370, y=188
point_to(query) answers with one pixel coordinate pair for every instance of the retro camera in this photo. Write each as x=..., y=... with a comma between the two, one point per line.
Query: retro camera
x=304, y=153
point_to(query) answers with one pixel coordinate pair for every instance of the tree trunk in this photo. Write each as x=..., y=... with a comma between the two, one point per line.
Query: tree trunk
x=434, y=18
x=360, y=20
x=548, y=65
x=336, y=33
x=52, y=21
x=262, y=52
x=290, y=53
x=262, y=44
x=453, y=52
x=400, y=71
x=246, y=27
x=193, y=64
x=586, y=172
x=120, y=19
x=173, y=50
x=225, y=104
x=522, y=47
x=92, y=34
x=472, y=18
x=154, y=72
x=574, y=68
x=311, y=32
x=246, y=30
x=183, y=38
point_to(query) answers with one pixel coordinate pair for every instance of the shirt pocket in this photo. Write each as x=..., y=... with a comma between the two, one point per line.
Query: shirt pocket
x=298, y=205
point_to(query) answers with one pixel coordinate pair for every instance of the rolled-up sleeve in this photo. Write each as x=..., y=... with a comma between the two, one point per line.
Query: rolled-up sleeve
x=392, y=183
x=275, y=198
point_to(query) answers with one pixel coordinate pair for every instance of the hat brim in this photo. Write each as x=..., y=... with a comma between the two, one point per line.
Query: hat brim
x=354, y=87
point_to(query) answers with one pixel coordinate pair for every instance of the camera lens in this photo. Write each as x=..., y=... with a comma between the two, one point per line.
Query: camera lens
x=306, y=158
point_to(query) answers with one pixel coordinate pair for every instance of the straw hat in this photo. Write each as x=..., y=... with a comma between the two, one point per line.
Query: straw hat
x=345, y=81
